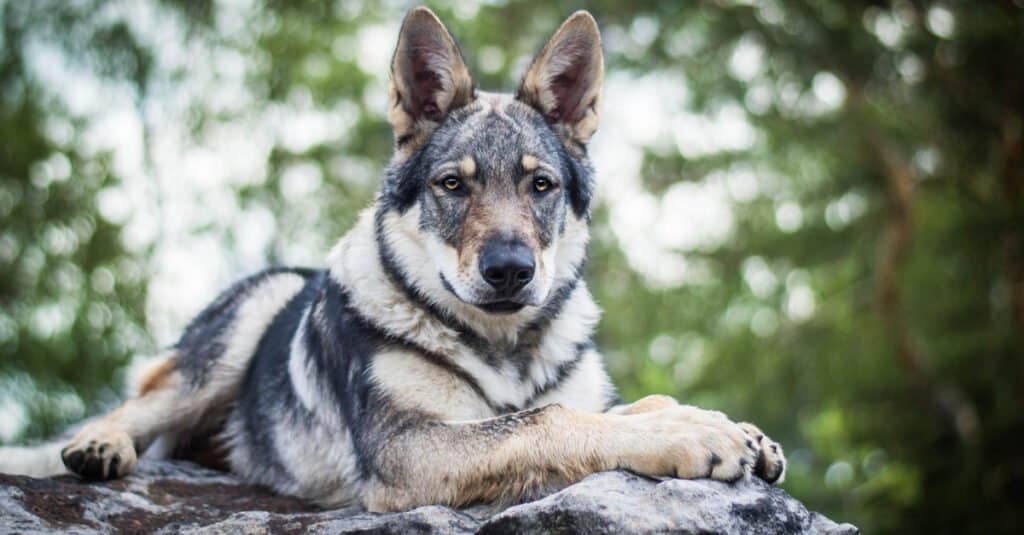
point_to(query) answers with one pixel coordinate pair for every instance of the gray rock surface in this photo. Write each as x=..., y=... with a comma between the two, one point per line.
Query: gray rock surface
x=177, y=497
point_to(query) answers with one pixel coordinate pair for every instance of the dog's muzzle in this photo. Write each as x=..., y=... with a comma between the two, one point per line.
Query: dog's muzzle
x=508, y=266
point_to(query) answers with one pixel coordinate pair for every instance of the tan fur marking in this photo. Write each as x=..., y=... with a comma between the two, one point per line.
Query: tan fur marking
x=530, y=163
x=467, y=166
x=156, y=375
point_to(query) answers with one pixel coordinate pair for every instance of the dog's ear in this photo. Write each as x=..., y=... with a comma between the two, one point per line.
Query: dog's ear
x=428, y=78
x=564, y=80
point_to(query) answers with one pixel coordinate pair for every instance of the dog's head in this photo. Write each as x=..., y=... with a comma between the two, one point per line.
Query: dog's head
x=493, y=189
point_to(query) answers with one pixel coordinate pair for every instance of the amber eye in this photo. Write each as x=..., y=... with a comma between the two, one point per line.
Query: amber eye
x=451, y=183
x=541, y=184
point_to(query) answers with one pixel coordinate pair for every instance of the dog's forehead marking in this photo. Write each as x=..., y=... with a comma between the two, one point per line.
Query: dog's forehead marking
x=529, y=162
x=467, y=166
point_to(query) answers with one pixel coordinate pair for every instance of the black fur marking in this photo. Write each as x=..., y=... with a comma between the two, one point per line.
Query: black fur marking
x=447, y=285
x=580, y=184
x=563, y=371
x=404, y=183
x=454, y=369
x=266, y=391
x=339, y=347
x=509, y=423
x=203, y=341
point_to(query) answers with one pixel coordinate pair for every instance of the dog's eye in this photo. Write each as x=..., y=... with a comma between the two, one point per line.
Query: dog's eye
x=451, y=183
x=542, y=184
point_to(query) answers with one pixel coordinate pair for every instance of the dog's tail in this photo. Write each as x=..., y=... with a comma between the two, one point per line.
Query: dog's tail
x=41, y=460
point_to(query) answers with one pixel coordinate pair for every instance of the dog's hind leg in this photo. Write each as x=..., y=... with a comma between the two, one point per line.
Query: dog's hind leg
x=190, y=385
x=109, y=446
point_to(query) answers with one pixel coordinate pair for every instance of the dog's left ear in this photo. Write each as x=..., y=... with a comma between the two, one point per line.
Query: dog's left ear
x=564, y=81
x=429, y=78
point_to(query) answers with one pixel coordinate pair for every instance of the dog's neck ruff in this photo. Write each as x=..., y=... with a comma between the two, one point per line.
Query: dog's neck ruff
x=388, y=278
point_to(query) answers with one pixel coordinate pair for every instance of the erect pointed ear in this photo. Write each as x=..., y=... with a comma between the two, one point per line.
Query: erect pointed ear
x=428, y=78
x=564, y=81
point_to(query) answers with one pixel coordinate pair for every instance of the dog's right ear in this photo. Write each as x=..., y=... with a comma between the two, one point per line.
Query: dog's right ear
x=429, y=78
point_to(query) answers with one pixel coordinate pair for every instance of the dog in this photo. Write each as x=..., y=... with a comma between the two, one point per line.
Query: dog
x=445, y=354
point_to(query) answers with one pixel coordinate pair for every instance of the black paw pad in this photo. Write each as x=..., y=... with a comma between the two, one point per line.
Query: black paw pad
x=73, y=460
x=115, y=463
x=92, y=469
x=713, y=461
x=760, y=466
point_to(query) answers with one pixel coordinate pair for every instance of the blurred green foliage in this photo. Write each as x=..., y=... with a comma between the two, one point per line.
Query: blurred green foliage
x=866, y=309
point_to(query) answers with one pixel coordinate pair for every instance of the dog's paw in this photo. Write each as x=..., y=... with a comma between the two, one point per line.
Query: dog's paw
x=771, y=462
x=100, y=452
x=690, y=443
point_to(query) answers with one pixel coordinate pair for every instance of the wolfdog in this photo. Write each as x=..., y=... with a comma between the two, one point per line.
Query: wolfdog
x=445, y=354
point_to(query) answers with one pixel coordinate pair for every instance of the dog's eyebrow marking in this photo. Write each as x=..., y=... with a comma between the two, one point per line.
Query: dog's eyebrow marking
x=529, y=162
x=467, y=166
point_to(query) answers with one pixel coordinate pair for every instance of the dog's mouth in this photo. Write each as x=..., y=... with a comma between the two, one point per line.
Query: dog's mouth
x=501, y=307
x=498, y=306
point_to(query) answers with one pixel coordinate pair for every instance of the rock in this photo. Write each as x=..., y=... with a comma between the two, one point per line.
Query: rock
x=178, y=497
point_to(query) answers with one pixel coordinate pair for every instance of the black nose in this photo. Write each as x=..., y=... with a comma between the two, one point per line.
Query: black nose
x=507, y=266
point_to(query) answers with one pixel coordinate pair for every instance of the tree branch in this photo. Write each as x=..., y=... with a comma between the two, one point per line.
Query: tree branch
x=901, y=192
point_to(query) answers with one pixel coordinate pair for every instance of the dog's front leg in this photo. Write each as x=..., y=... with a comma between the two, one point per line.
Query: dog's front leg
x=513, y=457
